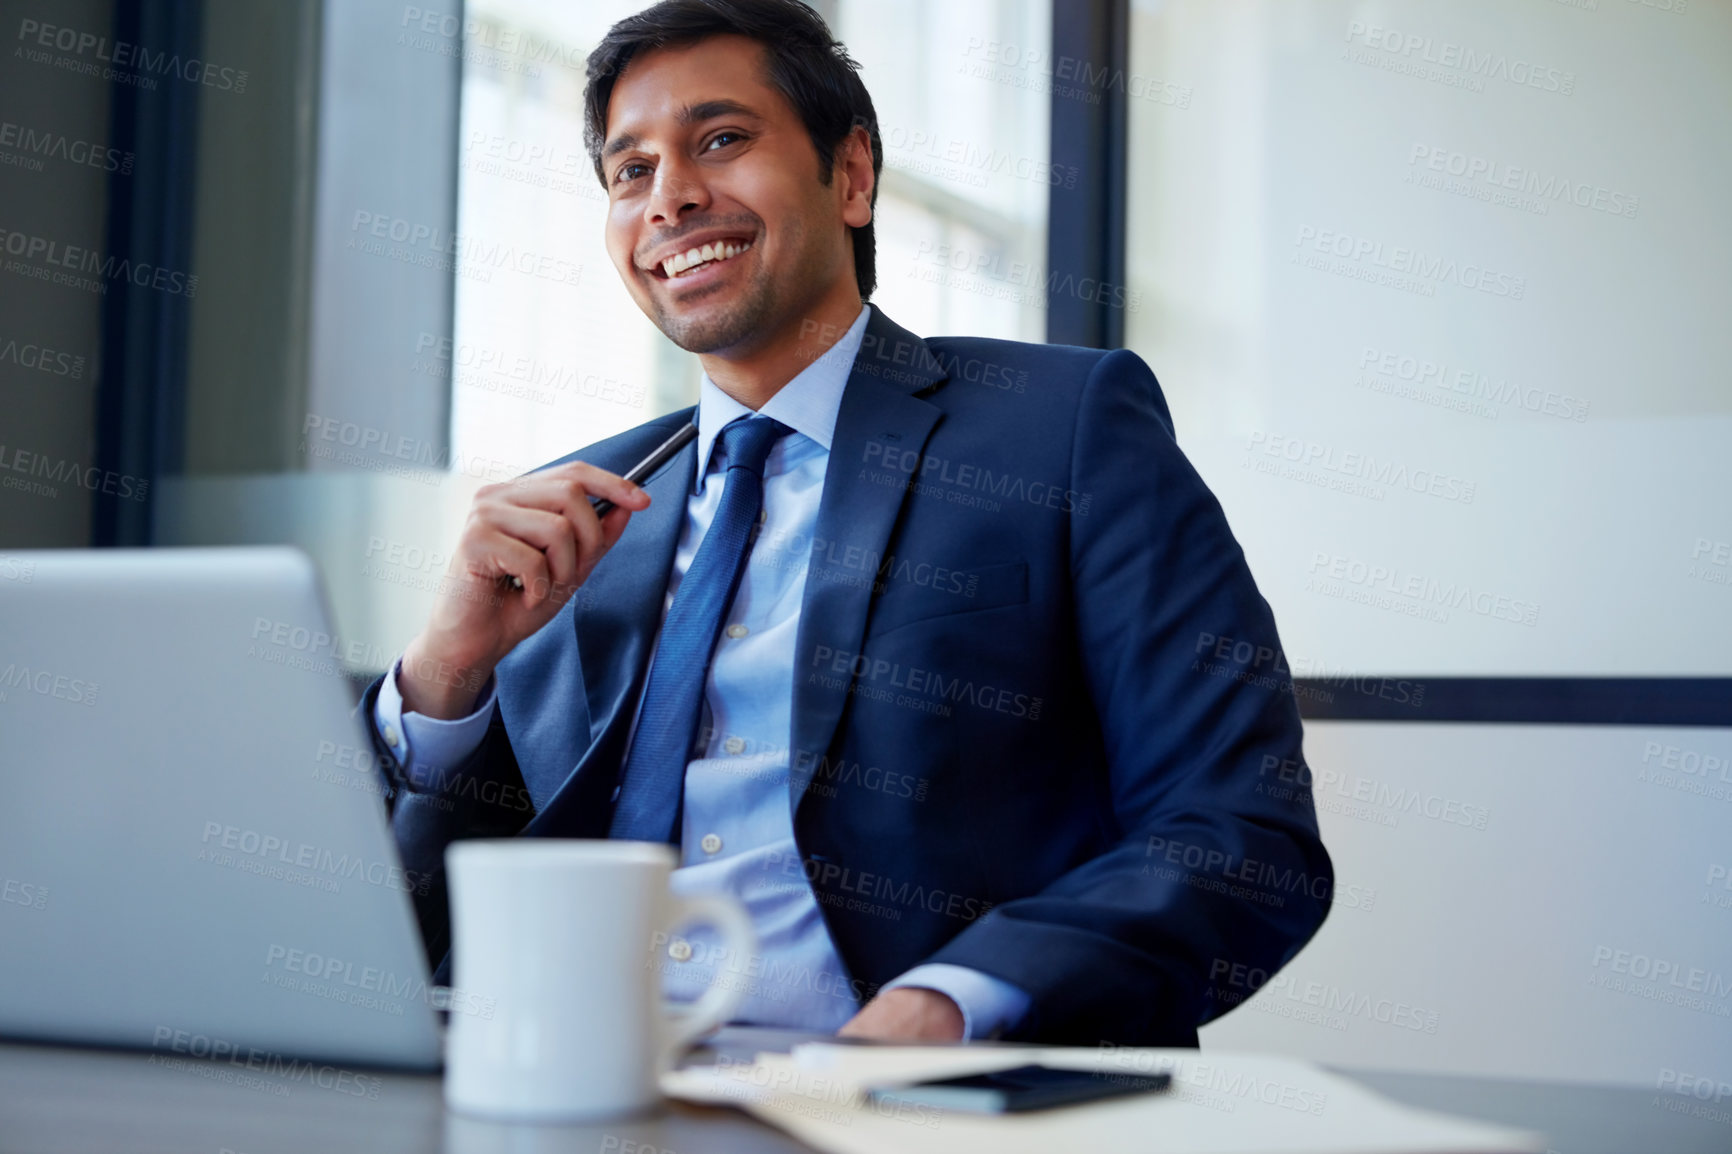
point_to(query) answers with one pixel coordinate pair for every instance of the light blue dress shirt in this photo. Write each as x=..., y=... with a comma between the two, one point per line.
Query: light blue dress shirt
x=737, y=830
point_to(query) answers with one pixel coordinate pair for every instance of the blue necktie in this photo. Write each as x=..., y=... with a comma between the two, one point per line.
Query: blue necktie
x=655, y=766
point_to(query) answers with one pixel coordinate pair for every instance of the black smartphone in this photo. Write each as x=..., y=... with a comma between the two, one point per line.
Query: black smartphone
x=1021, y=1088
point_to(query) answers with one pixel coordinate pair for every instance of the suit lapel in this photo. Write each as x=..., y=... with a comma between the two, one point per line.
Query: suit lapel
x=618, y=620
x=880, y=413
x=617, y=614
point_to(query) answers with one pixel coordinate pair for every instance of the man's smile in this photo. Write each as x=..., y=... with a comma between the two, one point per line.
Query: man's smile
x=683, y=264
x=698, y=258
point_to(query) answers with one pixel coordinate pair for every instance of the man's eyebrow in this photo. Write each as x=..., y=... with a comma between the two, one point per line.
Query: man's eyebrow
x=689, y=115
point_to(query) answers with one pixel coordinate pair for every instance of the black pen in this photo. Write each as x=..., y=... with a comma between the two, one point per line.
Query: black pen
x=662, y=455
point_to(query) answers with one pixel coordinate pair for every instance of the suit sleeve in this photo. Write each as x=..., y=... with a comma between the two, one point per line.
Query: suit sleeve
x=1213, y=868
x=480, y=795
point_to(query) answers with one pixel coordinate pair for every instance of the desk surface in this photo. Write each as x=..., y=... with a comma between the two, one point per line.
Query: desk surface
x=56, y=1100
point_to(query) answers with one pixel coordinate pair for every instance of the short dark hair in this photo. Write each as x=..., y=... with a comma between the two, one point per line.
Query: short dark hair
x=805, y=63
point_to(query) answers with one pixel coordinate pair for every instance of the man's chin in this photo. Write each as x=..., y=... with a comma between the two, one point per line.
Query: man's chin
x=703, y=332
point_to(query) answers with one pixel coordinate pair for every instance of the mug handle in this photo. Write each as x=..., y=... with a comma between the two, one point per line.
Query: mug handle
x=718, y=1003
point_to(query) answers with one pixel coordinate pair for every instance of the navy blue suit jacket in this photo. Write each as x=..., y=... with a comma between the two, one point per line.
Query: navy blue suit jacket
x=1041, y=726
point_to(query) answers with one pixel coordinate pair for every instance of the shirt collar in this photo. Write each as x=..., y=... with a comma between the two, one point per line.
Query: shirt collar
x=808, y=404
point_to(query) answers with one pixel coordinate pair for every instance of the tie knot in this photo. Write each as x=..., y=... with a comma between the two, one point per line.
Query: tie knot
x=747, y=441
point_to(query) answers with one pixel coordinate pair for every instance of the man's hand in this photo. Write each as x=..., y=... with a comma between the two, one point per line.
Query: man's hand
x=907, y=1014
x=540, y=530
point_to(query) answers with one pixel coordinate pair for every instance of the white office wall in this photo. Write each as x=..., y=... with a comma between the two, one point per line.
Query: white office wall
x=1439, y=294
x=1550, y=902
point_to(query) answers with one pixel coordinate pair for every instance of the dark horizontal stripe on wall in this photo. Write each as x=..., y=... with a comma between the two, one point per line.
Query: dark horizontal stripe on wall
x=1519, y=700
x=1512, y=700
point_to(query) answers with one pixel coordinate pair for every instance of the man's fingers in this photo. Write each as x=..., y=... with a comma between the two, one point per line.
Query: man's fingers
x=569, y=487
x=512, y=557
x=539, y=535
x=549, y=532
x=567, y=491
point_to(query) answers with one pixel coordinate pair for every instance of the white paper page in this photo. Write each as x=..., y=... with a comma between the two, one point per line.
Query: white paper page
x=1221, y=1103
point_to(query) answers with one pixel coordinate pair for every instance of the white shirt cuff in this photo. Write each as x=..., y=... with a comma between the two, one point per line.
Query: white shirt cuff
x=988, y=1004
x=425, y=746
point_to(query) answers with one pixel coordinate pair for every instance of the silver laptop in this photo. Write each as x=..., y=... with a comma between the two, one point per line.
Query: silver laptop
x=194, y=854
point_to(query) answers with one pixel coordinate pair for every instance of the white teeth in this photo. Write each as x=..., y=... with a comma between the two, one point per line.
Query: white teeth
x=693, y=257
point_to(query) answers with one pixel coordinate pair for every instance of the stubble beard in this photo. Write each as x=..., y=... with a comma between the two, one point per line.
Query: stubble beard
x=733, y=326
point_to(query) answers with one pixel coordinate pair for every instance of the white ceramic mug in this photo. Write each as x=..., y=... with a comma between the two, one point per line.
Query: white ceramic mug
x=557, y=1010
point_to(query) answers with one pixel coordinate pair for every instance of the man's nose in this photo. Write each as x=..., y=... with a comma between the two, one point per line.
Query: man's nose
x=677, y=190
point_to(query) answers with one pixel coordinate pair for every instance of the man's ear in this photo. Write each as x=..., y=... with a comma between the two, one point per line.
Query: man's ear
x=854, y=176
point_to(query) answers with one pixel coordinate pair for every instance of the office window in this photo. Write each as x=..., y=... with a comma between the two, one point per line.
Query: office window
x=348, y=385
x=547, y=361
x=963, y=109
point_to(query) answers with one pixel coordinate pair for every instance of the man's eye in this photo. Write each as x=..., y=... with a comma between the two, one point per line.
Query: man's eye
x=724, y=138
x=629, y=171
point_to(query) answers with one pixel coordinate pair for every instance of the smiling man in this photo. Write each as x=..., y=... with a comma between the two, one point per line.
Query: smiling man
x=937, y=654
